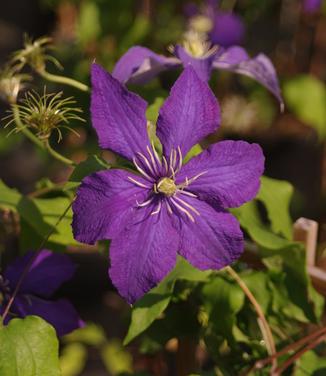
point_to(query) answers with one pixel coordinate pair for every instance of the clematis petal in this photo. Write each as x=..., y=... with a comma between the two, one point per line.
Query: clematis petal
x=139, y=65
x=230, y=173
x=143, y=253
x=46, y=274
x=213, y=241
x=228, y=29
x=105, y=203
x=118, y=115
x=61, y=314
x=189, y=114
x=259, y=68
x=201, y=65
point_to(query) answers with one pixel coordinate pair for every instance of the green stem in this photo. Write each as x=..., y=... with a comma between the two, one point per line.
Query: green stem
x=58, y=156
x=63, y=80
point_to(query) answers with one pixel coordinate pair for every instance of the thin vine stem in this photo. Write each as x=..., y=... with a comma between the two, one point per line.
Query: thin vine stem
x=63, y=80
x=58, y=156
x=262, y=322
x=28, y=266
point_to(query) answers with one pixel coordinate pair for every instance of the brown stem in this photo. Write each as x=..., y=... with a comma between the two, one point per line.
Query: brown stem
x=298, y=354
x=301, y=342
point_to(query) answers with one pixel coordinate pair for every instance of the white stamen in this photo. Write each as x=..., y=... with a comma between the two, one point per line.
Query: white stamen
x=183, y=210
x=158, y=209
x=145, y=203
x=141, y=170
x=147, y=163
x=187, y=193
x=196, y=177
x=187, y=205
x=169, y=207
x=152, y=159
x=165, y=164
x=156, y=155
x=180, y=159
x=138, y=183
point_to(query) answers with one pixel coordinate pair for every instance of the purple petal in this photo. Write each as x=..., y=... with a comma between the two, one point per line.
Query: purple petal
x=189, y=114
x=143, y=253
x=311, y=6
x=139, y=65
x=105, y=203
x=260, y=68
x=213, y=241
x=232, y=170
x=202, y=65
x=60, y=313
x=118, y=115
x=228, y=29
x=46, y=274
x=231, y=56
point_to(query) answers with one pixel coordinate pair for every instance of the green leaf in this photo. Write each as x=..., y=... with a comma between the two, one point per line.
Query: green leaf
x=73, y=359
x=223, y=300
x=116, y=359
x=8, y=197
x=310, y=364
x=276, y=196
x=153, y=304
x=195, y=150
x=136, y=33
x=249, y=218
x=91, y=334
x=92, y=164
x=28, y=347
x=306, y=97
x=153, y=109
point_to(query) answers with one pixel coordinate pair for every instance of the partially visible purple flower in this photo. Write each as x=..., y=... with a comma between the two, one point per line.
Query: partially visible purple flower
x=46, y=274
x=228, y=29
x=139, y=64
x=225, y=29
x=167, y=208
x=311, y=6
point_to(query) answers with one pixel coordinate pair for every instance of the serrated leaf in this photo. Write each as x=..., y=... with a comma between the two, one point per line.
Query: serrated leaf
x=306, y=96
x=276, y=196
x=28, y=347
x=153, y=304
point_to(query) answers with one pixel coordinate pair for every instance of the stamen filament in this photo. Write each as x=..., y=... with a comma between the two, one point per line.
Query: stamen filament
x=141, y=170
x=158, y=209
x=138, y=183
x=152, y=159
x=145, y=203
x=147, y=163
x=156, y=155
x=187, y=205
x=183, y=210
x=187, y=193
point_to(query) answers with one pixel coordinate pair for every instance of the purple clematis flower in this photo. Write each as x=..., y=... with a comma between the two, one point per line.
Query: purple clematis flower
x=167, y=208
x=311, y=6
x=139, y=64
x=47, y=272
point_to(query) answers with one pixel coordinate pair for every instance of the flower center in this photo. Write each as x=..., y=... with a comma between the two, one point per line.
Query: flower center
x=197, y=45
x=166, y=186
